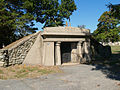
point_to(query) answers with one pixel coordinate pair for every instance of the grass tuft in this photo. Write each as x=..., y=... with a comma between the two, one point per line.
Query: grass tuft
x=115, y=49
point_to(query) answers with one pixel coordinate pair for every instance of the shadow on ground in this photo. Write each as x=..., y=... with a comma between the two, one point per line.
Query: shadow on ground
x=109, y=66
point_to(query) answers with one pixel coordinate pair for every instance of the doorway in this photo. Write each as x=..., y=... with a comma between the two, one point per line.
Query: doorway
x=65, y=52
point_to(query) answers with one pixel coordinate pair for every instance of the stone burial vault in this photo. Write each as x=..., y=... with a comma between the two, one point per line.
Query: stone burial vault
x=53, y=46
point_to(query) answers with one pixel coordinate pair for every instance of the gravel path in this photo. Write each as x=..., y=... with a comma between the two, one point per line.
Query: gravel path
x=76, y=77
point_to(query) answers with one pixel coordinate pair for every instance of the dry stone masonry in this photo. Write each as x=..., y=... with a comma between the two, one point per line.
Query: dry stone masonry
x=16, y=53
x=98, y=50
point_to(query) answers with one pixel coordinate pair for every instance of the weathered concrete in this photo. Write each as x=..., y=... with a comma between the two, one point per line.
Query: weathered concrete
x=74, y=58
x=74, y=31
x=48, y=57
x=34, y=56
x=66, y=34
x=79, y=51
x=87, y=51
x=58, y=53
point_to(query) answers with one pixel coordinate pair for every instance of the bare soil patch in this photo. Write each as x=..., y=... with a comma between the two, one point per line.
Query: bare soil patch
x=26, y=71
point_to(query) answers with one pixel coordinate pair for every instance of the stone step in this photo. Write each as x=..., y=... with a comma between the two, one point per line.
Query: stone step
x=70, y=63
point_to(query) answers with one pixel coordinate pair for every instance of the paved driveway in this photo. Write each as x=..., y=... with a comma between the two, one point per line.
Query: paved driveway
x=77, y=77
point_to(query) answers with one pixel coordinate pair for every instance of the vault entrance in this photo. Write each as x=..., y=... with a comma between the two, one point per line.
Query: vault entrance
x=65, y=52
x=69, y=52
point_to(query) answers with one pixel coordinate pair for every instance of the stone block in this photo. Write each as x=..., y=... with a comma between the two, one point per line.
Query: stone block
x=1, y=64
x=1, y=57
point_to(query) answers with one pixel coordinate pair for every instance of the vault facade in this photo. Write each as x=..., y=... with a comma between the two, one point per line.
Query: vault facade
x=65, y=45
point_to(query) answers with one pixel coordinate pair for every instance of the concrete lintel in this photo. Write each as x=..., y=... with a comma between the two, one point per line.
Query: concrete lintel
x=73, y=34
x=64, y=39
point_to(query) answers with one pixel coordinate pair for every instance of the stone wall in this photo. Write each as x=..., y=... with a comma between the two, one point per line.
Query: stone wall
x=74, y=56
x=99, y=51
x=35, y=54
x=3, y=56
x=86, y=51
x=16, y=52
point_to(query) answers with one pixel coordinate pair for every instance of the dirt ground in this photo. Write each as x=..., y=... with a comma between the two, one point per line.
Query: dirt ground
x=26, y=71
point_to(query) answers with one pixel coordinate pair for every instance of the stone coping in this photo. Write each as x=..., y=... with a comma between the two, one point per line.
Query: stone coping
x=65, y=31
x=20, y=41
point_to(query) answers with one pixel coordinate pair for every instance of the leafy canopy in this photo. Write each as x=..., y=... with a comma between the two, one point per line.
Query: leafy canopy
x=47, y=12
x=15, y=23
x=53, y=12
x=107, y=29
x=115, y=10
x=17, y=16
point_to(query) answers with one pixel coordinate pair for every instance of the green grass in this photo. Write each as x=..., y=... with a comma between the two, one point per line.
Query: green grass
x=22, y=75
x=115, y=49
x=1, y=71
x=45, y=71
x=21, y=71
x=32, y=69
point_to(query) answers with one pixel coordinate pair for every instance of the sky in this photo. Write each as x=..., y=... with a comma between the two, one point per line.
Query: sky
x=88, y=12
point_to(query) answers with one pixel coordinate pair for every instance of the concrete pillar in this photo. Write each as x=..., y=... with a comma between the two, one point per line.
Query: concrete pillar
x=79, y=51
x=87, y=51
x=86, y=47
x=57, y=53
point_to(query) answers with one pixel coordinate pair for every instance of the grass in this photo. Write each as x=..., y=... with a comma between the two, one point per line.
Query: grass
x=115, y=49
x=115, y=58
x=26, y=71
x=1, y=71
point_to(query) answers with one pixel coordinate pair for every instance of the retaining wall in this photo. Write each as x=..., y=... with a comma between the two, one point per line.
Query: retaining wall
x=98, y=50
x=16, y=52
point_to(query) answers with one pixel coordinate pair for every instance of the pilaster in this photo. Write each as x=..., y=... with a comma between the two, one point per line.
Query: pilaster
x=79, y=51
x=57, y=53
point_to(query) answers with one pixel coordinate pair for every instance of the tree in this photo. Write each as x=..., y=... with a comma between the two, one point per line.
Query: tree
x=115, y=10
x=17, y=16
x=53, y=13
x=14, y=23
x=107, y=29
x=47, y=12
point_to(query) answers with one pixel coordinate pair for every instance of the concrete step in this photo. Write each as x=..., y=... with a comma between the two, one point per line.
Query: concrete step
x=70, y=63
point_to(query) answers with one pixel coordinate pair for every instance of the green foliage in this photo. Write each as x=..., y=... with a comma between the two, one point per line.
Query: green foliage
x=48, y=12
x=17, y=16
x=53, y=13
x=107, y=28
x=15, y=23
x=115, y=10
